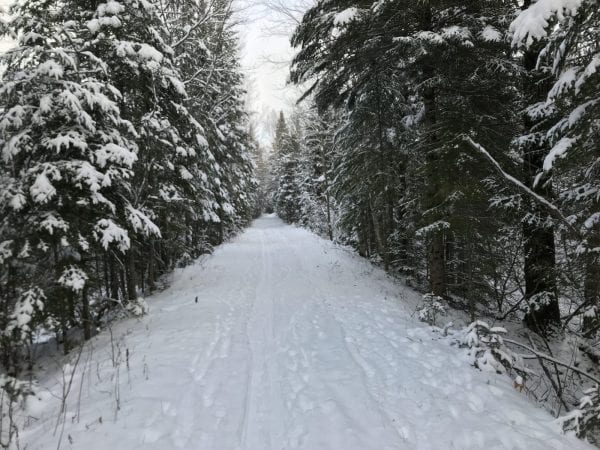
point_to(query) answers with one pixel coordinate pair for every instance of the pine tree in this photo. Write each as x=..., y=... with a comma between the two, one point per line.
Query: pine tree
x=107, y=179
x=206, y=49
x=67, y=159
x=407, y=80
x=316, y=164
x=560, y=47
x=287, y=154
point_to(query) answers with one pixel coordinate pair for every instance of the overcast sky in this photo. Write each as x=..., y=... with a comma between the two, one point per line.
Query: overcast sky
x=265, y=30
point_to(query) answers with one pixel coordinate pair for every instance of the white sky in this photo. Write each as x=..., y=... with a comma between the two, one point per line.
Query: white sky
x=265, y=30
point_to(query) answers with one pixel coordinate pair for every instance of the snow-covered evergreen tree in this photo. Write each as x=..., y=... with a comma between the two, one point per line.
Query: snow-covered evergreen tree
x=286, y=148
x=317, y=209
x=67, y=163
x=564, y=37
x=110, y=174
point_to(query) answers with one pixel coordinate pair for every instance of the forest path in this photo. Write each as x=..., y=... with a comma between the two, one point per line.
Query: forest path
x=293, y=343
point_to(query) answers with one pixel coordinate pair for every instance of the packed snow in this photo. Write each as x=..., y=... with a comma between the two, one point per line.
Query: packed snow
x=281, y=340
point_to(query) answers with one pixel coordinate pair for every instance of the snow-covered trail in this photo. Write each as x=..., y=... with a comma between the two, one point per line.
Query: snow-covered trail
x=292, y=343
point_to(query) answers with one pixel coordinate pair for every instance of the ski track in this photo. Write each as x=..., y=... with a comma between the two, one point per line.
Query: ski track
x=294, y=343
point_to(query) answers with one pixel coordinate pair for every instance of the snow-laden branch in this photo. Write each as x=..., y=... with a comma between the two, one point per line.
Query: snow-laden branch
x=189, y=32
x=537, y=197
x=207, y=15
x=535, y=22
x=553, y=360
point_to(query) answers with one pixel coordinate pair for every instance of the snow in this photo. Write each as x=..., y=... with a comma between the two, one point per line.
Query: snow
x=108, y=232
x=51, y=69
x=185, y=174
x=46, y=104
x=491, y=34
x=114, y=153
x=94, y=26
x=588, y=72
x=557, y=151
x=13, y=118
x=430, y=36
x=124, y=48
x=148, y=52
x=456, y=32
x=27, y=305
x=67, y=140
x=42, y=190
x=345, y=17
x=592, y=221
x=178, y=85
x=14, y=145
x=73, y=278
x=140, y=222
x=201, y=140
x=565, y=81
x=50, y=223
x=282, y=340
x=533, y=23
x=18, y=201
x=110, y=8
x=87, y=173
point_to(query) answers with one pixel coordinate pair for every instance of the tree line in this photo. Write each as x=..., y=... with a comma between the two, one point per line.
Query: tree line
x=126, y=152
x=456, y=142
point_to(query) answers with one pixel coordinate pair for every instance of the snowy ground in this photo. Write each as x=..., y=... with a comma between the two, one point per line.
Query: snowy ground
x=293, y=343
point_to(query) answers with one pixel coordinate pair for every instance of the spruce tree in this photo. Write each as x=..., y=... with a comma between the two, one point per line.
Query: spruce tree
x=561, y=56
x=67, y=160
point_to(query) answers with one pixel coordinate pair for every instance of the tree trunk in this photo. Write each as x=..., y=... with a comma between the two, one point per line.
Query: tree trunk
x=539, y=267
x=131, y=275
x=591, y=286
x=86, y=317
x=433, y=194
x=437, y=264
x=114, y=277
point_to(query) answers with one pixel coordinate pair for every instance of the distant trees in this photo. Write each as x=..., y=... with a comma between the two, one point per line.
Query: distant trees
x=300, y=169
x=287, y=150
x=126, y=152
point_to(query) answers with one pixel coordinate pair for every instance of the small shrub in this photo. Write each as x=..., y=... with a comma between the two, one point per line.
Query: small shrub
x=431, y=308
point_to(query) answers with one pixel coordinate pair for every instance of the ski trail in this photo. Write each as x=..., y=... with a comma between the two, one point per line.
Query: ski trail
x=263, y=410
x=293, y=343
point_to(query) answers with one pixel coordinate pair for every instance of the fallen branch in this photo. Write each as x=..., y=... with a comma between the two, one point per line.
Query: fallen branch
x=537, y=355
x=556, y=385
x=537, y=197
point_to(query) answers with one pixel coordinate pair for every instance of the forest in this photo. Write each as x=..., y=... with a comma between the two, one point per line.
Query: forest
x=457, y=144
x=454, y=144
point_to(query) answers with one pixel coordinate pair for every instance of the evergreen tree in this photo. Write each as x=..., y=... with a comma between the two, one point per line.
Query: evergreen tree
x=560, y=43
x=316, y=160
x=286, y=148
x=67, y=159
x=111, y=174
x=419, y=79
